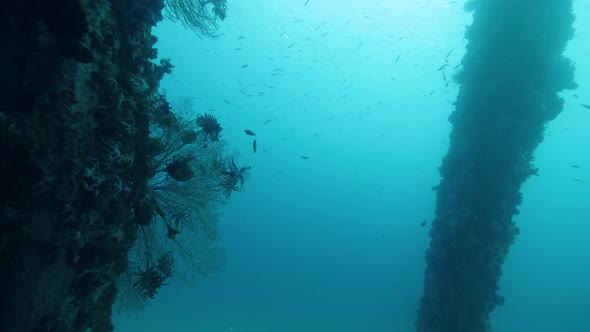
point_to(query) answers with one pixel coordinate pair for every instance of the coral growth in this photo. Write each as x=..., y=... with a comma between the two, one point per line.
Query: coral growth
x=198, y=15
x=178, y=219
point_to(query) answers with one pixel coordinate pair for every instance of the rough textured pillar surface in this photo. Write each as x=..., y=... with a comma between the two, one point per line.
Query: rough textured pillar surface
x=509, y=80
x=76, y=82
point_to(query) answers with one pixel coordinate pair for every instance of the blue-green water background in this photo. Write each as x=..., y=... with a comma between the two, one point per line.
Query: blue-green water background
x=334, y=243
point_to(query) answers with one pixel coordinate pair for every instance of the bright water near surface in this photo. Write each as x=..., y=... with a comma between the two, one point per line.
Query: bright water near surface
x=334, y=242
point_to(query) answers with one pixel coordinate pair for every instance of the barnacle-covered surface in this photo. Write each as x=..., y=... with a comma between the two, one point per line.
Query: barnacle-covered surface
x=77, y=89
x=511, y=74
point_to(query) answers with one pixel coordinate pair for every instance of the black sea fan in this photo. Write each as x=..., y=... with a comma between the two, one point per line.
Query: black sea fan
x=209, y=126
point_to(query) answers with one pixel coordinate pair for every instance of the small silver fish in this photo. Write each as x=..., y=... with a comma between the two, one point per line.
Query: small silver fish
x=577, y=179
x=446, y=57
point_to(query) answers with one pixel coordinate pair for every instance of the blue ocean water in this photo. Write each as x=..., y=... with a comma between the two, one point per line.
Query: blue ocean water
x=334, y=242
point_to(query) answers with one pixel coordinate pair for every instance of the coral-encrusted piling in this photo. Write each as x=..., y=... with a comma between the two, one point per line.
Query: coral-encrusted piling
x=510, y=77
x=76, y=86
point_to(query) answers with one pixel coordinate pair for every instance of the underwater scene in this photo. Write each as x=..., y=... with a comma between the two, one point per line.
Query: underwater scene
x=295, y=165
x=349, y=102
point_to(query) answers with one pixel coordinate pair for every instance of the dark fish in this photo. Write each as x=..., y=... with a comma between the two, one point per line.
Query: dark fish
x=304, y=157
x=225, y=101
x=267, y=121
x=575, y=166
x=397, y=59
x=442, y=67
x=446, y=57
x=249, y=132
x=244, y=66
x=576, y=96
x=444, y=76
x=422, y=224
x=585, y=106
x=254, y=146
x=432, y=92
x=457, y=66
x=293, y=44
x=306, y=2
